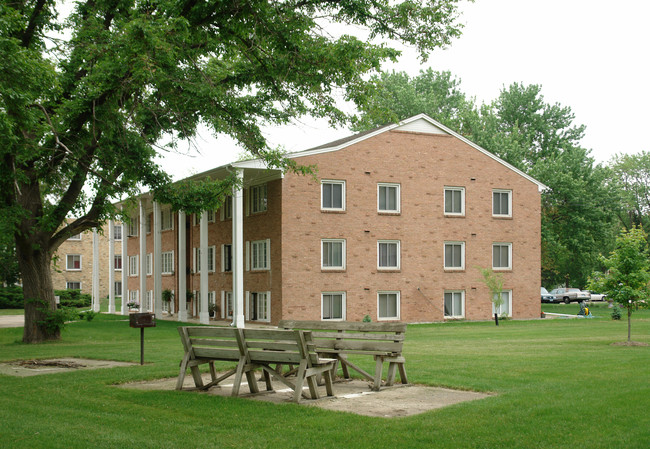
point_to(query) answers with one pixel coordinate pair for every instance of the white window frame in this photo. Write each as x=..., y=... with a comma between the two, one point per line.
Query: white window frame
x=258, y=198
x=508, y=292
x=67, y=262
x=322, y=306
x=211, y=215
x=224, y=258
x=117, y=257
x=67, y=285
x=502, y=191
x=502, y=244
x=133, y=227
x=133, y=265
x=134, y=296
x=333, y=182
x=266, y=310
x=264, y=262
x=211, y=259
x=117, y=229
x=148, y=223
x=343, y=254
x=454, y=313
x=398, y=201
x=117, y=291
x=166, y=219
x=75, y=237
x=149, y=264
x=227, y=305
x=462, y=201
x=226, y=208
x=388, y=242
x=397, y=305
x=149, y=304
x=462, y=256
x=167, y=262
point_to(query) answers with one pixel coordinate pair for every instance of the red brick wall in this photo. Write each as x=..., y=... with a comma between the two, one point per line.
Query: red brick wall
x=423, y=165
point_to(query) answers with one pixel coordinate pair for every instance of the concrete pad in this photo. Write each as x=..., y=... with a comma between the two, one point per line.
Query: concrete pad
x=354, y=396
x=24, y=368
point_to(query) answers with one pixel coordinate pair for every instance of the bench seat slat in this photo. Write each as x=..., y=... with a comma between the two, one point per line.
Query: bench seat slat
x=213, y=342
x=217, y=353
x=212, y=332
x=359, y=336
x=257, y=356
x=357, y=345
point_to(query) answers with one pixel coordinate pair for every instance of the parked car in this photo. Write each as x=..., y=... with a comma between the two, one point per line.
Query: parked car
x=546, y=296
x=597, y=296
x=569, y=295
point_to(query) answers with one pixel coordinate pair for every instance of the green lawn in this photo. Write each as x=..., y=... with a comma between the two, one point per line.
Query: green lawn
x=558, y=383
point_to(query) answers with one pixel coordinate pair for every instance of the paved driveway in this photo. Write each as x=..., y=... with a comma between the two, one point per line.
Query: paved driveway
x=12, y=320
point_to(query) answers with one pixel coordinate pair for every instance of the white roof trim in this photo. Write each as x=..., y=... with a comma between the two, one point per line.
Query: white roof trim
x=433, y=122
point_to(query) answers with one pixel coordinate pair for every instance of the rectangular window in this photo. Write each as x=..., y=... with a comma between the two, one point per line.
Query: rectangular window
x=226, y=258
x=166, y=219
x=118, y=288
x=117, y=262
x=259, y=306
x=258, y=198
x=333, y=306
x=502, y=203
x=149, y=264
x=197, y=259
x=117, y=231
x=167, y=265
x=455, y=304
x=133, y=297
x=226, y=209
x=333, y=254
x=454, y=255
x=210, y=216
x=73, y=262
x=147, y=223
x=133, y=227
x=133, y=265
x=260, y=255
x=505, y=308
x=75, y=237
x=148, y=306
x=227, y=304
x=333, y=195
x=455, y=201
x=388, y=254
x=501, y=256
x=388, y=197
x=73, y=285
x=388, y=306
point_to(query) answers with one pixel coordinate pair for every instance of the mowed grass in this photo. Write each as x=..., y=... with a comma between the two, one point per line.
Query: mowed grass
x=556, y=383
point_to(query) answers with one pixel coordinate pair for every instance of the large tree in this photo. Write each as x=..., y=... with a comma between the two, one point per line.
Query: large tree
x=630, y=174
x=535, y=136
x=85, y=101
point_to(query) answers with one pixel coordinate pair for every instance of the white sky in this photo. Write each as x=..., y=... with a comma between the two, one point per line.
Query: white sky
x=590, y=55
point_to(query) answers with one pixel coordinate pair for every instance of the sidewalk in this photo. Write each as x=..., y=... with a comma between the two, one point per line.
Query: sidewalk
x=12, y=321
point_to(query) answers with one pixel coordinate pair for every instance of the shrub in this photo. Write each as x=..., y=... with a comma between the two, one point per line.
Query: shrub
x=73, y=298
x=11, y=298
x=616, y=313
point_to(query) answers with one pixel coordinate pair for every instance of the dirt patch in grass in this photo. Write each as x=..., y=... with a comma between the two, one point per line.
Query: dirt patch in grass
x=354, y=396
x=629, y=343
x=23, y=368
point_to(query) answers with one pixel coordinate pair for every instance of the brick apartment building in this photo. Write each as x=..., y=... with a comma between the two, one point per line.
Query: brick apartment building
x=72, y=267
x=396, y=226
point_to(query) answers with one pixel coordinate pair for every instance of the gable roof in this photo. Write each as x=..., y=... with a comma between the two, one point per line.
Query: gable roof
x=421, y=123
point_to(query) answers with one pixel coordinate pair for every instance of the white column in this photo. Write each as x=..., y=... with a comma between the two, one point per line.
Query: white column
x=125, y=269
x=95, y=271
x=143, y=257
x=238, y=252
x=157, y=261
x=182, y=268
x=204, y=315
x=111, y=267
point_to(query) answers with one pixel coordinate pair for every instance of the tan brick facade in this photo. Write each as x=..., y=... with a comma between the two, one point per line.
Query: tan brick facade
x=64, y=272
x=420, y=166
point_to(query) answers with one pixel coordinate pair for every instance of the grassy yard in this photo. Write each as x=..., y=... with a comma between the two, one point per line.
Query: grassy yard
x=558, y=383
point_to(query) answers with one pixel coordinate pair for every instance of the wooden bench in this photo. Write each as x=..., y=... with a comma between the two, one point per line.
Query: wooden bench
x=253, y=349
x=338, y=339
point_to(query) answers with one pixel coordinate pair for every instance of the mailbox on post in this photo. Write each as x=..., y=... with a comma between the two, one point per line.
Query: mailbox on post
x=142, y=320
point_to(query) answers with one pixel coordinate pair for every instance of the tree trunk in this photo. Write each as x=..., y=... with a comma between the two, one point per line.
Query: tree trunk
x=629, y=323
x=37, y=289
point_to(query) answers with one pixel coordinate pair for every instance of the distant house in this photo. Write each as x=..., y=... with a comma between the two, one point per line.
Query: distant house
x=395, y=227
x=72, y=268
